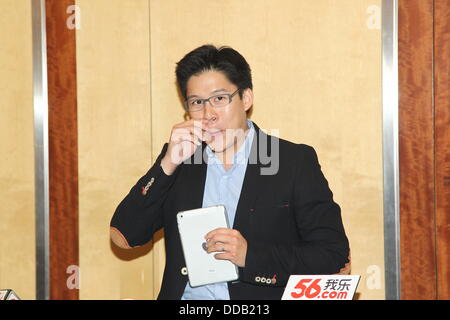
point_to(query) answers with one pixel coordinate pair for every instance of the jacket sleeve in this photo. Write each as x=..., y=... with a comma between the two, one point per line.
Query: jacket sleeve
x=323, y=247
x=140, y=213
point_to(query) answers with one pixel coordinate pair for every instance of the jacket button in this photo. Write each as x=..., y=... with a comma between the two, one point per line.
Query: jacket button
x=268, y=281
x=149, y=184
x=263, y=280
x=258, y=279
x=184, y=271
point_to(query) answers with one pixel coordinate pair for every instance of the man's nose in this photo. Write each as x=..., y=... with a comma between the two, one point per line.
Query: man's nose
x=209, y=113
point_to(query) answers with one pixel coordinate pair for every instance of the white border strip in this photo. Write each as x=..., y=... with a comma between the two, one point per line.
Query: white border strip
x=391, y=188
x=41, y=149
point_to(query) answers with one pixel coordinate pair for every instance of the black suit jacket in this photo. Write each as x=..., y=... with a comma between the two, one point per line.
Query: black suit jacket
x=289, y=219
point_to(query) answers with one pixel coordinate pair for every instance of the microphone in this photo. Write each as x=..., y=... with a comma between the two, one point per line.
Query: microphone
x=8, y=294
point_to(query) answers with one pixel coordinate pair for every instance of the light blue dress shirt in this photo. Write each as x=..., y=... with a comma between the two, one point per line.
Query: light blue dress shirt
x=222, y=188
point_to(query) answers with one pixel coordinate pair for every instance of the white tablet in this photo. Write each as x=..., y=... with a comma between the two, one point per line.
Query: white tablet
x=202, y=267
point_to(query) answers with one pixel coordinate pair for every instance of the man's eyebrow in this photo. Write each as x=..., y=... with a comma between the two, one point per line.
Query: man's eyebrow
x=214, y=91
x=218, y=90
x=191, y=96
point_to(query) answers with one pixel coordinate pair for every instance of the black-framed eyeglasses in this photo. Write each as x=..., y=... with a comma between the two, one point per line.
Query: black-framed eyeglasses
x=216, y=101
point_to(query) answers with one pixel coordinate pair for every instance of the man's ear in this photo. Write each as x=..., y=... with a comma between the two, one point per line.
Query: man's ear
x=247, y=98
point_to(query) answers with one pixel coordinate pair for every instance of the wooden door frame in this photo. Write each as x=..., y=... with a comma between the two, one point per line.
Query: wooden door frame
x=424, y=141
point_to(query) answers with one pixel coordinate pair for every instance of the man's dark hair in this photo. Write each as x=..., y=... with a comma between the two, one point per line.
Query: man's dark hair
x=210, y=58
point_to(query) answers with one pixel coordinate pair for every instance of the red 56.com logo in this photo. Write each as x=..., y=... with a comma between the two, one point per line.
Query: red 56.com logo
x=321, y=287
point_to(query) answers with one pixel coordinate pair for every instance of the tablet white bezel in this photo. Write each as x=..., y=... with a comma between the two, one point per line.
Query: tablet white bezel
x=202, y=267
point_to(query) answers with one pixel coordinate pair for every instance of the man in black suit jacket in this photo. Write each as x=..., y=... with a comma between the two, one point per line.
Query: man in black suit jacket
x=286, y=221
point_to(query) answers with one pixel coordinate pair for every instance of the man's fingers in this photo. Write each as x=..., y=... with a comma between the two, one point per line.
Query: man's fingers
x=224, y=256
x=217, y=247
x=221, y=247
x=198, y=133
x=226, y=231
x=219, y=240
x=196, y=127
x=222, y=239
x=229, y=245
x=188, y=131
x=179, y=137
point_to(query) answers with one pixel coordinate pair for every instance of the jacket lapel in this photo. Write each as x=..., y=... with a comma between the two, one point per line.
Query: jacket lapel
x=252, y=185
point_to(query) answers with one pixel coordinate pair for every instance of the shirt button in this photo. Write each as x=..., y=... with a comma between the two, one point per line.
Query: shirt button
x=263, y=280
x=184, y=271
x=258, y=279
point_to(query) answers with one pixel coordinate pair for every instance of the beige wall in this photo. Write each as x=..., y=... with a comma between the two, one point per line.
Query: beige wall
x=114, y=127
x=316, y=68
x=17, y=245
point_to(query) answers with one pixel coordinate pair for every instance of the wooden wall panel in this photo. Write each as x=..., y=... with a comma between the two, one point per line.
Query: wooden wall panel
x=442, y=143
x=63, y=149
x=417, y=222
